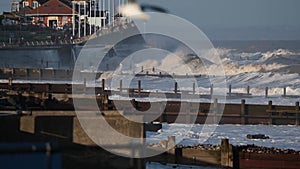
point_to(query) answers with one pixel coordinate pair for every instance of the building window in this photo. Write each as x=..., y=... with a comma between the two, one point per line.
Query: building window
x=25, y=3
x=35, y=4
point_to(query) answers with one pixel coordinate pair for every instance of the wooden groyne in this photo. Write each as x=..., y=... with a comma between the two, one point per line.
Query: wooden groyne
x=27, y=97
x=63, y=128
x=226, y=155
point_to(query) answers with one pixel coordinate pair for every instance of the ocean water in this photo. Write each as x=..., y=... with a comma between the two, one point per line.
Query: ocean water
x=258, y=64
x=284, y=137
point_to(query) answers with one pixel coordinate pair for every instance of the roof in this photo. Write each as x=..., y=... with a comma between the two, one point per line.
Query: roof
x=51, y=7
x=10, y=15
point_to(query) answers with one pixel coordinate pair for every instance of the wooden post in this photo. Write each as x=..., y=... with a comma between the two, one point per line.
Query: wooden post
x=270, y=107
x=243, y=112
x=40, y=74
x=13, y=72
x=284, y=92
x=84, y=85
x=53, y=73
x=297, y=113
x=211, y=90
x=226, y=153
x=107, y=66
x=121, y=86
x=248, y=90
x=178, y=155
x=27, y=73
x=139, y=87
x=48, y=88
x=266, y=92
x=194, y=88
x=171, y=147
x=230, y=91
x=215, y=111
x=171, y=142
x=162, y=116
x=176, y=88
x=103, y=85
x=10, y=81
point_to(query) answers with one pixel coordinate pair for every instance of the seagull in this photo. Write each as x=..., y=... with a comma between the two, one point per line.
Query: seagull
x=136, y=11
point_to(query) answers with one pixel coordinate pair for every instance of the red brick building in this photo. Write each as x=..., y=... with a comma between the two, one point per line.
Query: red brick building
x=53, y=13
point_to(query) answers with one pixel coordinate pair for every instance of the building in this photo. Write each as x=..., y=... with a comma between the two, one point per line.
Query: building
x=53, y=13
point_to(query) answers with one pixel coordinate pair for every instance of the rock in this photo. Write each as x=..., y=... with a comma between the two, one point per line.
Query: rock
x=257, y=136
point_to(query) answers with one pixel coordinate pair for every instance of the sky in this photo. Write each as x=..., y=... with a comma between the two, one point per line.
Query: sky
x=234, y=13
x=229, y=16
